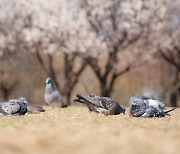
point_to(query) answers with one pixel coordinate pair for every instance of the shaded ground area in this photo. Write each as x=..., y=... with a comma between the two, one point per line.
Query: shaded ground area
x=75, y=130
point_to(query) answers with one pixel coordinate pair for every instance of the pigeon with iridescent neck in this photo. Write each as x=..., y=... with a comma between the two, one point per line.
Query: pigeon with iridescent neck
x=52, y=95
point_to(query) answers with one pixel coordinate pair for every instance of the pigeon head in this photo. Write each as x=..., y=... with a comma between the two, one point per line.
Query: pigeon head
x=23, y=101
x=49, y=82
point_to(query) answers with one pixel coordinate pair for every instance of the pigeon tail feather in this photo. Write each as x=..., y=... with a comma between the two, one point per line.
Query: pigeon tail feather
x=166, y=112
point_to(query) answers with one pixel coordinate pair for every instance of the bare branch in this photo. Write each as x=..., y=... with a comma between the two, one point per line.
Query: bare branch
x=169, y=60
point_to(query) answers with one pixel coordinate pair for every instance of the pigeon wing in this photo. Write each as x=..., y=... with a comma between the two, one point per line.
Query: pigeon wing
x=161, y=105
x=150, y=112
x=156, y=104
x=54, y=96
x=108, y=103
x=10, y=107
x=103, y=102
x=93, y=100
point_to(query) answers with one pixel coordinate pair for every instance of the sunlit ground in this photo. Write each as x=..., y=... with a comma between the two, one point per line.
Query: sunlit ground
x=75, y=130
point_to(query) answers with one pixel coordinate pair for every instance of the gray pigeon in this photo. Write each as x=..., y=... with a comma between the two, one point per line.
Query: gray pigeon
x=14, y=107
x=98, y=104
x=52, y=95
x=141, y=106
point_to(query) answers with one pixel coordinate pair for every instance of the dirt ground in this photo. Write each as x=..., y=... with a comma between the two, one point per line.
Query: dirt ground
x=75, y=130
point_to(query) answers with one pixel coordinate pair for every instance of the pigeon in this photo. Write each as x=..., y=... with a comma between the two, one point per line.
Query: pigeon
x=14, y=107
x=104, y=105
x=52, y=95
x=141, y=106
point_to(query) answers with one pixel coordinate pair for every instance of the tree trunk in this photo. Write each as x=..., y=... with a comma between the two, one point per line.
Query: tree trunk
x=7, y=89
x=5, y=93
x=173, y=99
x=68, y=97
x=48, y=67
x=71, y=76
x=104, y=91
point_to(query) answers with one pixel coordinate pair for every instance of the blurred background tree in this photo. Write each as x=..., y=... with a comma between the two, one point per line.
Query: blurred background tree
x=123, y=47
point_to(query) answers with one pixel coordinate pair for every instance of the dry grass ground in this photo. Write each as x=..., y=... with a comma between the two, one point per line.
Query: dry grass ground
x=75, y=130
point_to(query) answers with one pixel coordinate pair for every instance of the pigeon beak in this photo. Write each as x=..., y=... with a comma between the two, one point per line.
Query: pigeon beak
x=75, y=100
x=48, y=82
